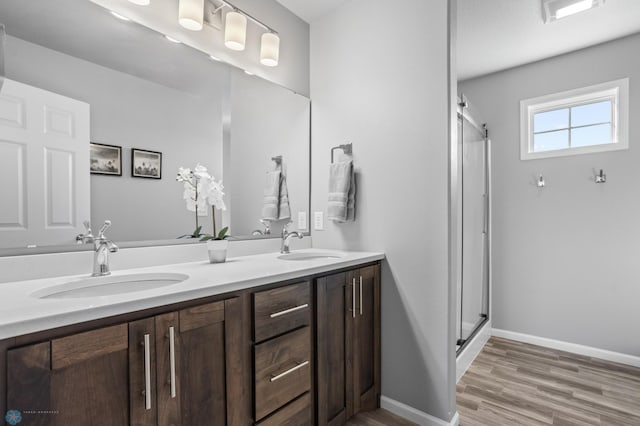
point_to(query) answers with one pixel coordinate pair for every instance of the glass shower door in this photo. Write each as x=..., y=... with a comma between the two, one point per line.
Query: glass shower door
x=473, y=300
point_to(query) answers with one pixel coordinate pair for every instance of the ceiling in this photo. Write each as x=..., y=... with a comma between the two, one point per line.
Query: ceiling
x=495, y=35
x=310, y=10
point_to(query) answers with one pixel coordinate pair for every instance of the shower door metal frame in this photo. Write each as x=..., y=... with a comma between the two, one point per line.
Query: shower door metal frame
x=464, y=114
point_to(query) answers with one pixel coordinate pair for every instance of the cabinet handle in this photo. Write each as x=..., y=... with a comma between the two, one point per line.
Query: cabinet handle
x=353, y=297
x=147, y=373
x=289, y=371
x=360, y=295
x=172, y=360
x=288, y=311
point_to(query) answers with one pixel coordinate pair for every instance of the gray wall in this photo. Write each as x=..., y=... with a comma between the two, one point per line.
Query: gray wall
x=565, y=258
x=381, y=83
x=133, y=113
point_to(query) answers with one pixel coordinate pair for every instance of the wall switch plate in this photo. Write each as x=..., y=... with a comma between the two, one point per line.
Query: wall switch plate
x=318, y=221
x=302, y=220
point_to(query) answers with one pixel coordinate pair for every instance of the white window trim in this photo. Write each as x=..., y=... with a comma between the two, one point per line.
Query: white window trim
x=617, y=91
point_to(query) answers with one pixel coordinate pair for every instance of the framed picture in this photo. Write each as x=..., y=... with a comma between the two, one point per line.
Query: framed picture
x=146, y=164
x=105, y=159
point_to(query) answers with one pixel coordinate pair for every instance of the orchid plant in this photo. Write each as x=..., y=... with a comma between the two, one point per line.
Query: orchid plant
x=201, y=190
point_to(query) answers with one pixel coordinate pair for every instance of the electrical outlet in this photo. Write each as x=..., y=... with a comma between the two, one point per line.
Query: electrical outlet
x=318, y=221
x=302, y=220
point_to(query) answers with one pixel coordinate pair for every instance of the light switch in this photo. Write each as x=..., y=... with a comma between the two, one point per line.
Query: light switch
x=318, y=221
x=302, y=220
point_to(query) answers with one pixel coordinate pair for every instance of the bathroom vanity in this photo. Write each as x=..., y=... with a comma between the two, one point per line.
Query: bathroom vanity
x=257, y=340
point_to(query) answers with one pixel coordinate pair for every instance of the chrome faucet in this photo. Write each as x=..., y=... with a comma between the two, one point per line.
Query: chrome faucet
x=286, y=237
x=267, y=228
x=102, y=248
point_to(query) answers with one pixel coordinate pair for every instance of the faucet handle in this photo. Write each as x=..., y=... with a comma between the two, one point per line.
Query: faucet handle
x=107, y=224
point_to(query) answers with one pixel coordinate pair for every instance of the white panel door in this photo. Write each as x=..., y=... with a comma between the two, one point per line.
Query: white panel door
x=44, y=167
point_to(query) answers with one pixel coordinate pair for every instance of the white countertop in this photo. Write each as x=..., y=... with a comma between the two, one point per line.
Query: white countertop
x=21, y=313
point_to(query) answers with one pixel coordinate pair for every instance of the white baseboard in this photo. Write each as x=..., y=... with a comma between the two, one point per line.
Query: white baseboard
x=569, y=347
x=414, y=415
x=472, y=350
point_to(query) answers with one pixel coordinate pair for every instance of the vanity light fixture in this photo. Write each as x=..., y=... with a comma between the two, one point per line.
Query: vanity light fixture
x=121, y=17
x=558, y=9
x=191, y=14
x=270, y=49
x=235, y=31
x=141, y=2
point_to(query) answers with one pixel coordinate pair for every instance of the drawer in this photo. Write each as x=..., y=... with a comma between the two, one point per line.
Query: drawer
x=282, y=371
x=296, y=413
x=281, y=309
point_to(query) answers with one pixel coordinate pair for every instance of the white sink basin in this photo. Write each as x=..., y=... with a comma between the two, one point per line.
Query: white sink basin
x=108, y=286
x=311, y=255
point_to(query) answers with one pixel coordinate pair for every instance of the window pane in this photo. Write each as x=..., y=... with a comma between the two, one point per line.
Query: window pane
x=551, y=120
x=591, y=135
x=551, y=141
x=599, y=112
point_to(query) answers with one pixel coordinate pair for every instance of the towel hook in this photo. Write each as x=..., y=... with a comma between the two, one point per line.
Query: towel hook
x=277, y=159
x=601, y=177
x=346, y=148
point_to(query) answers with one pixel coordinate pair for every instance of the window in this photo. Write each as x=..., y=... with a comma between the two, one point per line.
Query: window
x=580, y=121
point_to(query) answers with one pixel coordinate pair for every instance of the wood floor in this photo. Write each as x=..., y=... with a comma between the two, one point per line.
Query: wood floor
x=379, y=417
x=513, y=383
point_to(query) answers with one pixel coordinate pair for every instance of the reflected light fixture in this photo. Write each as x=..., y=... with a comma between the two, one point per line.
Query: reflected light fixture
x=191, y=14
x=554, y=10
x=141, y=2
x=215, y=58
x=270, y=49
x=235, y=31
x=121, y=17
x=172, y=40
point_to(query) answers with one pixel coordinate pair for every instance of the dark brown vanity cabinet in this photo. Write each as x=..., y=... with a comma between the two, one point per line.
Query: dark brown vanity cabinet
x=283, y=355
x=348, y=344
x=178, y=368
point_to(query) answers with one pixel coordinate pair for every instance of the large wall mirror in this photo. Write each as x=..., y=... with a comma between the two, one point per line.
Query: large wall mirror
x=76, y=75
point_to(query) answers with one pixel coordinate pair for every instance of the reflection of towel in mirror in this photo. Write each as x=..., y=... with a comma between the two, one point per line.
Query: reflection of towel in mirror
x=271, y=195
x=342, y=192
x=284, y=210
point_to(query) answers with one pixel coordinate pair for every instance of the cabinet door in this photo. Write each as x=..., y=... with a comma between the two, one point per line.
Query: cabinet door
x=210, y=376
x=79, y=379
x=366, y=352
x=335, y=313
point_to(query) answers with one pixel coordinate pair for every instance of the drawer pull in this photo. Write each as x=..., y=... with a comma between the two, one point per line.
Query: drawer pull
x=289, y=371
x=172, y=360
x=353, y=298
x=288, y=311
x=147, y=373
x=360, y=295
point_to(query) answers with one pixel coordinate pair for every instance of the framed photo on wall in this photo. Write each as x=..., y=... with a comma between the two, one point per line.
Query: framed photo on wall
x=105, y=159
x=146, y=164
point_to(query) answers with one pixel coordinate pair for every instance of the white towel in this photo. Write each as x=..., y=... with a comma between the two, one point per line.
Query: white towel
x=284, y=210
x=342, y=192
x=271, y=199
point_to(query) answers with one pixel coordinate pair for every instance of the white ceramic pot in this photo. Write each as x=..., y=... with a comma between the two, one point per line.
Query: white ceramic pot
x=217, y=250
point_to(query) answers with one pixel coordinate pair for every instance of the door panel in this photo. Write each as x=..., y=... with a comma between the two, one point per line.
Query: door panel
x=202, y=365
x=334, y=349
x=45, y=174
x=367, y=339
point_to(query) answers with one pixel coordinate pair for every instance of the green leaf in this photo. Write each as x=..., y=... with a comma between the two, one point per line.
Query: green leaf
x=207, y=237
x=196, y=233
x=222, y=234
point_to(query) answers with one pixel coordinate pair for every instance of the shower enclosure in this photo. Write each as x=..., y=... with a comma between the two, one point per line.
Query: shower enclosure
x=474, y=223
